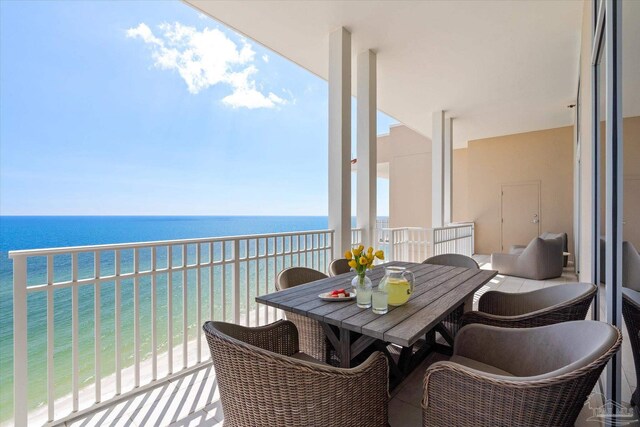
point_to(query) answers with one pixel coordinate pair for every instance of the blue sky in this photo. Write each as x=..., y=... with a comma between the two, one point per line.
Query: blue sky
x=150, y=108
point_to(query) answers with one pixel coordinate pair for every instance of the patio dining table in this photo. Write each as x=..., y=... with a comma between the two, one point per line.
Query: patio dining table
x=438, y=292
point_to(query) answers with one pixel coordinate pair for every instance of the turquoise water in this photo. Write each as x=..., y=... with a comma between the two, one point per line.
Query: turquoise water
x=46, y=232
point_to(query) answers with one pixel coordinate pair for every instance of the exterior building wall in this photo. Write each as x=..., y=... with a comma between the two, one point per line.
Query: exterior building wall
x=408, y=155
x=545, y=156
x=460, y=186
x=478, y=172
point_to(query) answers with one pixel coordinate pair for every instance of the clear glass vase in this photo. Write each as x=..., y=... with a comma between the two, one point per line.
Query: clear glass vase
x=362, y=286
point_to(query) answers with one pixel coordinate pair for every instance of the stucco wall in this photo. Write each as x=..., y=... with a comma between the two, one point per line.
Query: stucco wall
x=545, y=156
x=409, y=156
x=460, y=183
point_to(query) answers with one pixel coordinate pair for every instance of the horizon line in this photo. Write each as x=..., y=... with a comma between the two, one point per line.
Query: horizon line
x=166, y=215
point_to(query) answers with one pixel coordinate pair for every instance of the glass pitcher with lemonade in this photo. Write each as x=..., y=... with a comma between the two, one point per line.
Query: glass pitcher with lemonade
x=398, y=283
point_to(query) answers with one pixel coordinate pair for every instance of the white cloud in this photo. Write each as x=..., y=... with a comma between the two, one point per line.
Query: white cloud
x=144, y=32
x=245, y=93
x=206, y=58
x=265, y=57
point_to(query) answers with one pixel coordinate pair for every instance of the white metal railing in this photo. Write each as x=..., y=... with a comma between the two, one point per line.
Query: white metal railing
x=139, y=299
x=382, y=223
x=356, y=239
x=114, y=313
x=411, y=244
x=455, y=238
x=415, y=244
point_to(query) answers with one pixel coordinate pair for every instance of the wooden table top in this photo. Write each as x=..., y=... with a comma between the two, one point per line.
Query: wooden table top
x=438, y=290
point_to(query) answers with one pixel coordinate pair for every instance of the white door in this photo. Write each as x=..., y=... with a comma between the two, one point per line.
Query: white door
x=520, y=211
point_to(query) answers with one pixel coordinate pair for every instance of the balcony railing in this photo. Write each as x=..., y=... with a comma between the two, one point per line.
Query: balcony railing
x=415, y=244
x=117, y=312
x=115, y=320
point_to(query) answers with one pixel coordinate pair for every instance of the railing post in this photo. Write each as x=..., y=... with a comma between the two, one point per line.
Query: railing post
x=392, y=245
x=185, y=309
x=118, y=323
x=96, y=327
x=434, y=244
x=235, y=297
x=75, y=326
x=169, y=309
x=473, y=238
x=332, y=250
x=406, y=236
x=20, y=376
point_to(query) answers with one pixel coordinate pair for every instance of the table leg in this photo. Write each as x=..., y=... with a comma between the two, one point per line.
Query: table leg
x=345, y=348
x=468, y=303
x=341, y=342
x=396, y=373
x=404, y=361
x=442, y=330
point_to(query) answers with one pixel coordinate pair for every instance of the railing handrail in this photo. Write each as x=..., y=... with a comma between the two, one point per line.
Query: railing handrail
x=136, y=245
x=456, y=225
x=404, y=228
x=444, y=227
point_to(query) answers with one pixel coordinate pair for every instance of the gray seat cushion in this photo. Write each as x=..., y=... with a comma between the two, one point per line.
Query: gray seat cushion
x=632, y=294
x=479, y=366
x=630, y=264
x=536, y=353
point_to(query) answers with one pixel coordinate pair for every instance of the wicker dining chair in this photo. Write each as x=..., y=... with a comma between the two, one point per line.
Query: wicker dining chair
x=631, y=314
x=339, y=266
x=530, y=377
x=455, y=260
x=265, y=381
x=313, y=340
x=560, y=303
x=452, y=322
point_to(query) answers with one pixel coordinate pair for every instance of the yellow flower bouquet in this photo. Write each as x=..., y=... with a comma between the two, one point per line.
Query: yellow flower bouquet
x=361, y=261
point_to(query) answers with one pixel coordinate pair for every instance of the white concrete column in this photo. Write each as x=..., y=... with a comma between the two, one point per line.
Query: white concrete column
x=340, y=139
x=437, y=170
x=367, y=166
x=448, y=171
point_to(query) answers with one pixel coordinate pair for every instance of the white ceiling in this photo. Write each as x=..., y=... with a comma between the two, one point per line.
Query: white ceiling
x=497, y=67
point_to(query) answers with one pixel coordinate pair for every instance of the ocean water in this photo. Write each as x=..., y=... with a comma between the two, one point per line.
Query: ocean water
x=47, y=232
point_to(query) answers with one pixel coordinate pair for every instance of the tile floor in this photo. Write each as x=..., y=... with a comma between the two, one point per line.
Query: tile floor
x=193, y=400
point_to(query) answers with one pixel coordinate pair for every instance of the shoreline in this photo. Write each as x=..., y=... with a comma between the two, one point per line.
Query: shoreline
x=86, y=395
